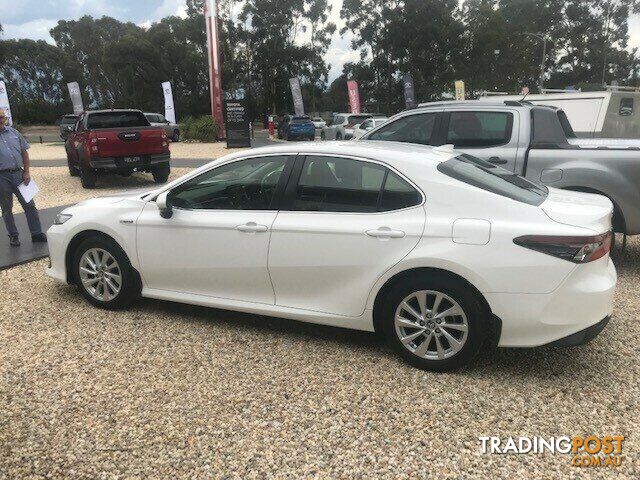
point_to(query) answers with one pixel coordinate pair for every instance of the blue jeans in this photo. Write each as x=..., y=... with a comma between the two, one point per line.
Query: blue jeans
x=9, y=182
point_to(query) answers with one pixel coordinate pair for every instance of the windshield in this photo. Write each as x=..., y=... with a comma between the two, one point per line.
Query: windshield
x=489, y=177
x=117, y=120
x=300, y=120
x=356, y=119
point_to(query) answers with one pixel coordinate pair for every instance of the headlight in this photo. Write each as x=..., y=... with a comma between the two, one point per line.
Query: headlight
x=61, y=218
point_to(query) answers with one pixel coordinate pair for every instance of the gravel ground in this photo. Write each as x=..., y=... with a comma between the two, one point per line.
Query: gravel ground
x=55, y=151
x=172, y=391
x=57, y=187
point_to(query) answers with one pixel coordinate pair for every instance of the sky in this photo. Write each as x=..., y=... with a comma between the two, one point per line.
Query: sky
x=34, y=18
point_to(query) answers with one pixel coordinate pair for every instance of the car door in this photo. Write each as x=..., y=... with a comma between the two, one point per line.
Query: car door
x=491, y=135
x=216, y=241
x=344, y=222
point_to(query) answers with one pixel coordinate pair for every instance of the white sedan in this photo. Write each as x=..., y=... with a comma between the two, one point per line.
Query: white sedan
x=442, y=253
x=367, y=125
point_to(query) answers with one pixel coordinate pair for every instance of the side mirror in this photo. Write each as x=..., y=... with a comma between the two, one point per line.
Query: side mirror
x=164, y=205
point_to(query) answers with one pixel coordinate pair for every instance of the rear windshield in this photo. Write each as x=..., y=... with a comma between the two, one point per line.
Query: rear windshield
x=489, y=177
x=300, y=120
x=69, y=120
x=117, y=120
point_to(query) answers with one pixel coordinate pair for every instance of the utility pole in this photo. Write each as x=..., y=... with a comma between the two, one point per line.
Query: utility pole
x=542, y=37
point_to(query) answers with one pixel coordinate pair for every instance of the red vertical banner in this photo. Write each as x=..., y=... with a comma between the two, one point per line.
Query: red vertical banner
x=215, y=73
x=354, y=96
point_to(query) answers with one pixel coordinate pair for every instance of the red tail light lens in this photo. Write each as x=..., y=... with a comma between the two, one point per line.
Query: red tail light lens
x=573, y=249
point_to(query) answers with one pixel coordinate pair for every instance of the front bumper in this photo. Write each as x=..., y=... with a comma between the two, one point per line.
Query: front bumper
x=118, y=163
x=583, y=299
x=56, y=241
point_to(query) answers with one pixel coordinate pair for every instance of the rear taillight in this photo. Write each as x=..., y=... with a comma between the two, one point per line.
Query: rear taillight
x=573, y=249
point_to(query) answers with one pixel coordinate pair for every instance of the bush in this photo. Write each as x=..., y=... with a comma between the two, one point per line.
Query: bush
x=202, y=129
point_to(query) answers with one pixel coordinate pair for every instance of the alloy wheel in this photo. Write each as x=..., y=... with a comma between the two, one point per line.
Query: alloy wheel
x=431, y=325
x=100, y=274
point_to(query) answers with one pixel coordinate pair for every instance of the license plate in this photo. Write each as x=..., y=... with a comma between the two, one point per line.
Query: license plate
x=131, y=159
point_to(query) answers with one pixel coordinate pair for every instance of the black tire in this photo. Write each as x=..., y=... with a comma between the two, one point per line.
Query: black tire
x=130, y=287
x=478, y=328
x=338, y=136
x=88, y=177
x=322, y=136
x=176, y=136
x=161, y=173
x=73, y=171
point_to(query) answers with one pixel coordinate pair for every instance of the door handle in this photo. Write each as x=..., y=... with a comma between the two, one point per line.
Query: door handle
x=497, y=160
x=385, y=232
x=252, y=227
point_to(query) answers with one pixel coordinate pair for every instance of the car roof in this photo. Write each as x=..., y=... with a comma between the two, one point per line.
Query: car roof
x=393, y=153
x=109, y=110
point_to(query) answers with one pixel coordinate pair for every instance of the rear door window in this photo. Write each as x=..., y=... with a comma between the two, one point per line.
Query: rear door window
x=489, y=177
x=479, y=129
x=416, y=128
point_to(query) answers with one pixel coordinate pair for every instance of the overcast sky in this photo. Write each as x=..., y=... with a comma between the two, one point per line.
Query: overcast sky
x=34, y=18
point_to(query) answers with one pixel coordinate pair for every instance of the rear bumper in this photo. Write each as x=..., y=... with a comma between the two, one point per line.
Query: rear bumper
x=580, y=303
x=304, y=134
x=583, y=336
x=118, y=163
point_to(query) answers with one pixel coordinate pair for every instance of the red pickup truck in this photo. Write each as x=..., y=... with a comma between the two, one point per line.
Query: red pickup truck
x=116, y=141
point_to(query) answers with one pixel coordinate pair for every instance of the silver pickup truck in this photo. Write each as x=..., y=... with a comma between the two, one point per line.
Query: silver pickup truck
x=534, y=141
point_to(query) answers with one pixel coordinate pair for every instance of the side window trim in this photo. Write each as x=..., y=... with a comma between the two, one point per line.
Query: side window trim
x=290, y=190
x=277, y=199
x=447, y=120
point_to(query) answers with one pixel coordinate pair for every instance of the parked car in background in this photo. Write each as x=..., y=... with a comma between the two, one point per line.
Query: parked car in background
x=606, y=114
x=337, y=234
x=367, y=125
x=319, y=123
x=67, y=122
x=116, y=141
x=294, y=127
x=534, y=141
x=172, y=129
x=342, y=125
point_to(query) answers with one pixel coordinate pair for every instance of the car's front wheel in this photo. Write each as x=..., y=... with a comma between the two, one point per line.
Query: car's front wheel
x=434, y=322
x=104, y=274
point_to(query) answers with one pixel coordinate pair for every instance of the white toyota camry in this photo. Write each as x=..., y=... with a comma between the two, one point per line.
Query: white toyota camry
x=441, y=252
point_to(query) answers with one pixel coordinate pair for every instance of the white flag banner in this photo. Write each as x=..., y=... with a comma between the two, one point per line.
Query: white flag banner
x=76, y=97
x=4, y=103
x=169, y=111
x=296, y=93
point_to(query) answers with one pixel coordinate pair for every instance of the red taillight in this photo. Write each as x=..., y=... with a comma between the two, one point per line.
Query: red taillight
x=573, y=249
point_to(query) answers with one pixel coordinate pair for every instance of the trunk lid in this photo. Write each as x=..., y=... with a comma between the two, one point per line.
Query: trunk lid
x=579, y=209
x=133, y=141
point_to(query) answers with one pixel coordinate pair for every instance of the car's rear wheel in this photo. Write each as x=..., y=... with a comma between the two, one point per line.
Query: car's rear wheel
x=104, y=274
x=338, y=136
x=88, y=177
x=323, y=136
x=176, y=136
x=435, y=323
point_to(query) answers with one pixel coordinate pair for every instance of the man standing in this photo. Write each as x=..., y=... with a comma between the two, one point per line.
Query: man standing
x=14, y=169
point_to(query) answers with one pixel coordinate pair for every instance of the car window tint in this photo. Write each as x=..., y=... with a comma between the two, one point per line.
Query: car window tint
x=116, y=119
x=243, y=185
x=398, y=193
x=410, y=129
x=333, y=184
x=479, y=129
x=626, y=107
x=489, y=177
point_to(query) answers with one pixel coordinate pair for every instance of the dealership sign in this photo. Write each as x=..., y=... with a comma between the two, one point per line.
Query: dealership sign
x=354, y=96
x=459, y=90
x=76, y=97
x=4, y=102
x=237, y=124
x=169, y=110
x=296, y=93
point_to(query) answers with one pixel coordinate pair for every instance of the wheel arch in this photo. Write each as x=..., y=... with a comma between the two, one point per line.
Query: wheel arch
x=495, y=322
x=77, y=239
x=619, y=222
